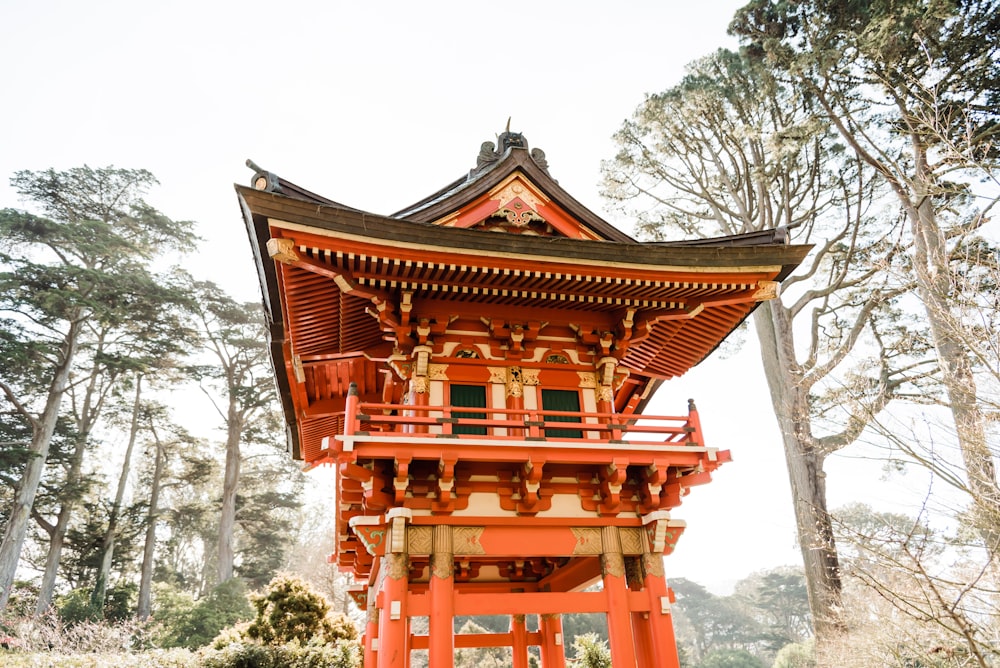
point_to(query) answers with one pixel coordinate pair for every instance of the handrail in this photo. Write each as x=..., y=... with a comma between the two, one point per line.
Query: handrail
x=387, y=420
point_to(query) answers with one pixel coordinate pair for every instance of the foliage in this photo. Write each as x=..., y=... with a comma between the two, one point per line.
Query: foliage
x=339, y=654
x=78, y=300
x=154, y=658
x=730, y=658
x=49, y=633
x=196, y=626
x=932, y=591
x=734, y=149
x=76, y=606
x=795, y=655
x=289, y=610
x=591, y=652
x=766, y=611
x=912, y=87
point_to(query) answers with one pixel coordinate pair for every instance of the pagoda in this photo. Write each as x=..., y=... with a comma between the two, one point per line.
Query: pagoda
x=476, y=367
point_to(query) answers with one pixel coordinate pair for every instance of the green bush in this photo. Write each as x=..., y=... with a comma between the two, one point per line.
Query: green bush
x=289, y=610
x=341, y=654
x=77, y=606
x=796, y=655
x=199, y=624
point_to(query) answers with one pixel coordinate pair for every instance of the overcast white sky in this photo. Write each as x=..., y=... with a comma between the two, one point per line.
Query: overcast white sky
x=377, y=104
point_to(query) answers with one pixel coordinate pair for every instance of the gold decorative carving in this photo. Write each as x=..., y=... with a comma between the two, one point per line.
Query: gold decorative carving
x=605, y=393
x=442, y=565
x=514, y=382
x=396, y=566
x=632, y=540
x=767, y=290
x=498, y=374
x=588, y=540
x=420, y=384
x=466, y=540
x=437, y=371
x=652, y=564
x=519, y=215
x=529, y=376
x=282, y=250
x=419, y=540
x=588, y=379
x=613, y=565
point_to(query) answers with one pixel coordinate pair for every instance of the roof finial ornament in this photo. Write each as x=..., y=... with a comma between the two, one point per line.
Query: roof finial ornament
x=263, y=179
x=490, y=153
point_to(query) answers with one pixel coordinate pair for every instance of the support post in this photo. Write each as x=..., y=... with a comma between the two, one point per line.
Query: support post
x=519, y=646
x=660, y=620
x=553, y=652
x=441, y=650
x=394, y=635
x=371, y=630
x=619, y=616
x=641, y=631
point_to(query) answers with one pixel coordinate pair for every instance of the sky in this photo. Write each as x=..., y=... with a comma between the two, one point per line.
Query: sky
x=376, y=105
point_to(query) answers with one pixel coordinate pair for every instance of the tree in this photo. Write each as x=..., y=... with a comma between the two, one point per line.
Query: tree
x=730, y=150
x=912, y=86
x=778, y=601
x=706, y=622
x=234, y=335
x=79, y=266
x=591, y=652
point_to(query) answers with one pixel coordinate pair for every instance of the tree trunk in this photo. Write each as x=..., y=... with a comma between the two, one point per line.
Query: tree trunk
x=108, y=542
x=41, y=438
x=934, y=285
x=805, y=471
x=230, y=481
x=146, y=578
x=58, y=535
x=86, y=417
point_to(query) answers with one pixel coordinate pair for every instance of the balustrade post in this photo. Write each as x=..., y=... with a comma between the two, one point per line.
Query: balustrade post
x=694, y=423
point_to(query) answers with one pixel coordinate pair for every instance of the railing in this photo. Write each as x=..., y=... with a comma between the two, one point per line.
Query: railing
x=508, y=424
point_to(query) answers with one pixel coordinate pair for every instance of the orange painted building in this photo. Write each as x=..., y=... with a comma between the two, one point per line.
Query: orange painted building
x=475, y=367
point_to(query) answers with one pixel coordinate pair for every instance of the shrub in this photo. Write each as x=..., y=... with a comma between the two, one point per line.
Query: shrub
x=77, y=606
x=198, y=625
x=796, y=655
x=591, y=652
x=289, y=610
x=341, y=654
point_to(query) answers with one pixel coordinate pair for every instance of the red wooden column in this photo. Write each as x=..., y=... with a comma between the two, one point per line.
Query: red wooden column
x=619, y=616
x=642, y=632
x=660, y=621
x=393, y=632
x=553, y=653
x=519, y=647
x=371, y=630
x=442, y=592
